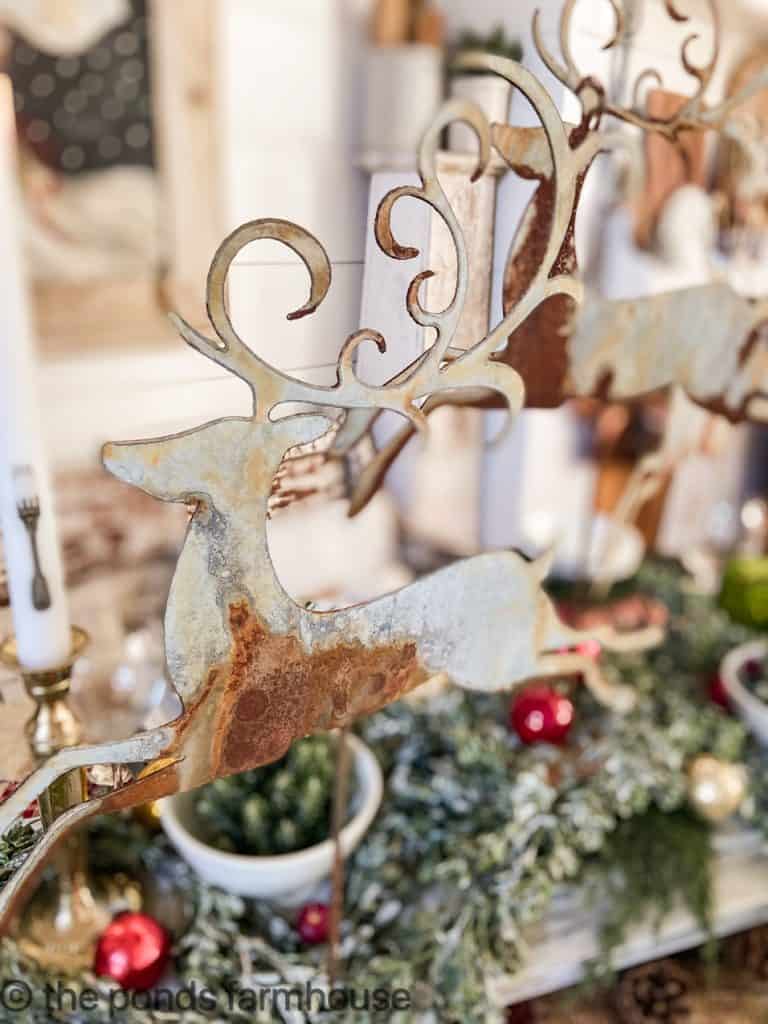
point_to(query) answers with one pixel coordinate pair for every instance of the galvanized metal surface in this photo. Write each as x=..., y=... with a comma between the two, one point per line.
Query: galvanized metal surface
x=708, y=339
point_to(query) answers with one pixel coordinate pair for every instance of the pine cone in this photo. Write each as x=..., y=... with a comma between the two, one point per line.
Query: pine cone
x=748, y=951
x=521, y=1013
x=655, y=993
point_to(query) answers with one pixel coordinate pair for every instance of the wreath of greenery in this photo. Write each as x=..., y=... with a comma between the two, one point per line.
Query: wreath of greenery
x=476, y=834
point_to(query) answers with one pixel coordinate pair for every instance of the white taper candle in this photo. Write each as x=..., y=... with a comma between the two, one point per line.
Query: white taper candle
x=30, y=543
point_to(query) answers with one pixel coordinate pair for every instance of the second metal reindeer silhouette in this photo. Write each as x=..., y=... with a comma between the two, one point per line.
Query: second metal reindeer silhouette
x=709, y=340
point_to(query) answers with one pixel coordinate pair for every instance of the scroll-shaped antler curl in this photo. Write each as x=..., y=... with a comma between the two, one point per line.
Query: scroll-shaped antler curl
x=477, y=367
x=229, y=350
x=560, y=154
x=270, y=386
x=431, y=192
x=693, y=114
x=567, y=71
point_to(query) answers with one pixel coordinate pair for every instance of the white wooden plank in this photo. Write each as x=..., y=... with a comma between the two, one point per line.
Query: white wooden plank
x=121, y=396
x=445, y=499
x=386, y=281
x=521, y=501
x=291, y=86
x=385, y=285
x=186, y=56
x=557, y=959
x=317, y=550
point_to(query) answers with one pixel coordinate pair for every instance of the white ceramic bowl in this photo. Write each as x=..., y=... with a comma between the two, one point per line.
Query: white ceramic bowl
x=615, y=553
x=752, y=710
x=615, y=550
x=290, y=877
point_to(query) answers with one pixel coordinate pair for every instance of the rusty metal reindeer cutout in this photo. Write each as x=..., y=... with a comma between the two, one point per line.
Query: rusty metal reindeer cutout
x=254, y=670
x=708, y=340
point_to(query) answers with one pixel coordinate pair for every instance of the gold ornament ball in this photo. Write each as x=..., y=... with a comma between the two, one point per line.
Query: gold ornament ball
x=716, y=789
x=148, y=815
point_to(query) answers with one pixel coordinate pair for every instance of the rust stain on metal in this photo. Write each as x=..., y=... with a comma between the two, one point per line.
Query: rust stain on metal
x=538, y=349
x=275, y=692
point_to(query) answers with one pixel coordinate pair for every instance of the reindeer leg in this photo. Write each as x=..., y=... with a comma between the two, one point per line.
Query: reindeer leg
x=620, y=699
x=633, y=640
x=142, y=747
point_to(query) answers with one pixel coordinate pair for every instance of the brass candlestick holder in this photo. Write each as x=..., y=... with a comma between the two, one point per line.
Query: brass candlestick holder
x=63, y=920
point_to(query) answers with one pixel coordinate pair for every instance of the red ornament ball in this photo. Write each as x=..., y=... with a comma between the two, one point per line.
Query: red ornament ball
x=9, y=788
x=718, y=693
x=539, y=714
x=312, y=923
x=133, y=950
x=590, y=648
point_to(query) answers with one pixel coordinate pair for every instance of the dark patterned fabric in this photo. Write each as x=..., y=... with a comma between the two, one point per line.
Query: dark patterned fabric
x=90, y=111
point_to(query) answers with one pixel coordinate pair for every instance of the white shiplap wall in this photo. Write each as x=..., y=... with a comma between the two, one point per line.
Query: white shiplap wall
x=290, y=107
x=291, y=93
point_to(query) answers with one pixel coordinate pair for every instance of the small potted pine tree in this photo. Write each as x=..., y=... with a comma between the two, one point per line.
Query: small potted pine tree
x=404, y=78
x=266, y=833
x=490, y=92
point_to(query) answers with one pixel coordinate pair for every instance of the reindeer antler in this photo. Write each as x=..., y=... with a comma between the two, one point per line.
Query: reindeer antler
x=567, y=72
x=478, y=367
x=693, y=114
x=475, y=367
x=272, y=387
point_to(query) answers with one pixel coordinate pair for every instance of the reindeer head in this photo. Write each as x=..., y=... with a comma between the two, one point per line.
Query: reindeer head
x=220, y=461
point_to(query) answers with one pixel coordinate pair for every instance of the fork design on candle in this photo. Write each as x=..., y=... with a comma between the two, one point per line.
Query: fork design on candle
x=29, y=513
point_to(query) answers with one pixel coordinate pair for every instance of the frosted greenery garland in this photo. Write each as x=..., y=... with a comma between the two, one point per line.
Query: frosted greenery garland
x=474, y=836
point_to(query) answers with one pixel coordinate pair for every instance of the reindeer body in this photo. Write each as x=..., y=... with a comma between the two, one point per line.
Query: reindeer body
x=704, y=339
x=254, y=669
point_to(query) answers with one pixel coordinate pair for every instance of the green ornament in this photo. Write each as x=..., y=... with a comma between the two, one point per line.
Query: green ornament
x=744, y=593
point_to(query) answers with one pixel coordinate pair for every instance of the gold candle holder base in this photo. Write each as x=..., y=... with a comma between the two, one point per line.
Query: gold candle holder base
x=65, y=917
x=62, y=922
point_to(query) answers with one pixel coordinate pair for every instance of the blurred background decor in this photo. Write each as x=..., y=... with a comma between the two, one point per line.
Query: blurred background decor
x=404, y=77
x=221, y=111
x=93, y=115
x=491, y=93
